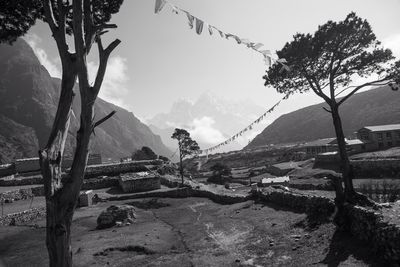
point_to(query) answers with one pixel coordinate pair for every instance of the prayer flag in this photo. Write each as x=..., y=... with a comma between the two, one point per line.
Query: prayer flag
x=210, y=30
x=190, y=20
x=159, y=6
x=199, y=26
x=258, y=45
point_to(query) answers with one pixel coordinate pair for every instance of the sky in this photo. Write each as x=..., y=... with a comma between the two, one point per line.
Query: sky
x=161, y=59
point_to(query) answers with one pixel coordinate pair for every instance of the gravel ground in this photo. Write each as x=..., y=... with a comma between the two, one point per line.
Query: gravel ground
x=192, y=232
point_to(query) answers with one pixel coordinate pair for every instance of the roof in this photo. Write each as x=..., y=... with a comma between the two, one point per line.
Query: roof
x=354, y=142
x=382, y=128
x=136, y=176
x=27, y=159
x=281, y=179
x=320, y=142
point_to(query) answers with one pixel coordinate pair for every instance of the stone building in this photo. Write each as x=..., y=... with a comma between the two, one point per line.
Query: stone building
x=380, y=136
x=139, y=182
x=329, y=145
x=27, y=165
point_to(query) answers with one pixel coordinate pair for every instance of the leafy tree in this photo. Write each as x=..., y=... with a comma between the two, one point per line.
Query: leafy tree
x=186, y=146
x=146, y=153
x=328, y=62
x=220, y=171
x=85, y=21
x=163, y=158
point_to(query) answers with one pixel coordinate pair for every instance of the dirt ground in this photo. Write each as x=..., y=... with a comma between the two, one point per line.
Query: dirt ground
x=192, y=232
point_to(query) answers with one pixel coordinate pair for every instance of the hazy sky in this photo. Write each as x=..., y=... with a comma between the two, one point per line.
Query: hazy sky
x=160, y=59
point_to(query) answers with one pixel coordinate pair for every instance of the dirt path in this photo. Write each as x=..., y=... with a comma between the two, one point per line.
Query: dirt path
x=192, y=232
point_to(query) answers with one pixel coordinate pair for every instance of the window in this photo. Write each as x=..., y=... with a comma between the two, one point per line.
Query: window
x=380, y=136
x=380, y=144
x=398, y=143
x=390, y=144
x=389, y=135
x=363, y=146
x=364, y=136
x=398, y=134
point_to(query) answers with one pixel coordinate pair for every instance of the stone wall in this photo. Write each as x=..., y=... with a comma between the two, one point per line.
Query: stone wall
x=23, y=216
x=115, y=169
x=99, y=182
x=370, y=227
x=310, y=204
x=7, y=169
x=377, y=168
x=17, y=181
x=130, y=183
x=364, y=224
x=21, y=194
x=91, y=172
x=27, y=165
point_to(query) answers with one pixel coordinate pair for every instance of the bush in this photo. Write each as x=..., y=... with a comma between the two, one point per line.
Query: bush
x=221, y=174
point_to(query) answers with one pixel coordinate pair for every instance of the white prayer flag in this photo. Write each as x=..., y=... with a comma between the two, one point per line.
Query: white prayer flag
x=159, y=6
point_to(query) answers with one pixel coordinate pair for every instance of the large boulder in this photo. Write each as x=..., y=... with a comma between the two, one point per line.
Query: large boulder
x=114, y=214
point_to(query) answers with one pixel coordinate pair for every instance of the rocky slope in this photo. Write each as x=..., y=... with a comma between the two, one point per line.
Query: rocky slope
x=28, y=103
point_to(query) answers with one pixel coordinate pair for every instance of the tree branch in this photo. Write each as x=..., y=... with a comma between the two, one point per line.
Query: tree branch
x=327, y=110
x=103, y=119
x=103, y=55
x=48, y=12
x=62, y=11
x=362, y=86
x=80, y=45
x=90, y=34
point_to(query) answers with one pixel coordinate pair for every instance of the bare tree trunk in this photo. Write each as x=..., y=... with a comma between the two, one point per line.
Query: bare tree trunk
x=181, y=167
x=345, y=162
x=59, y=212
x=62, y=192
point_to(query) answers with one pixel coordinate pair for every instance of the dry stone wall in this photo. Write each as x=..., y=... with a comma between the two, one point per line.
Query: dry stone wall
x=370, y=226
x=377, y=168
x=23, y=217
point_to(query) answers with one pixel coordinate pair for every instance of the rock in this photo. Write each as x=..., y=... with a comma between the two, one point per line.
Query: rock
x=105, y=220
x=114, y=214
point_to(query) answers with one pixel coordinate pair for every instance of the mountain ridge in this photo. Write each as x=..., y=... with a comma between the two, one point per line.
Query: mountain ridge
x=28, y=103
x=373, y=107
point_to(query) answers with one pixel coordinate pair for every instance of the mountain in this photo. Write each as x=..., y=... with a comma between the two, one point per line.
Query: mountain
x=28, y=103
x=373, y=107
x=210, y=120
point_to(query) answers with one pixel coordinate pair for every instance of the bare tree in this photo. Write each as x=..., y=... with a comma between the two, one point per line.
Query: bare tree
x=86, y=21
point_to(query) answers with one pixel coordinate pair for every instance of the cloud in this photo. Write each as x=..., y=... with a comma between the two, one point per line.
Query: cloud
x=202, y=130
x=393, y=43
x=52, y=65
x=114, y=88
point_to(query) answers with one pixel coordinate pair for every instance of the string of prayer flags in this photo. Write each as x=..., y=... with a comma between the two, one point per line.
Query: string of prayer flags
x=199, y=24
x=248, y=128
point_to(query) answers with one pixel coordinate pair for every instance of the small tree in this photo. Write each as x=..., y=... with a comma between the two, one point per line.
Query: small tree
x=331, y=59
x=85, y=21
x=186, y=146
